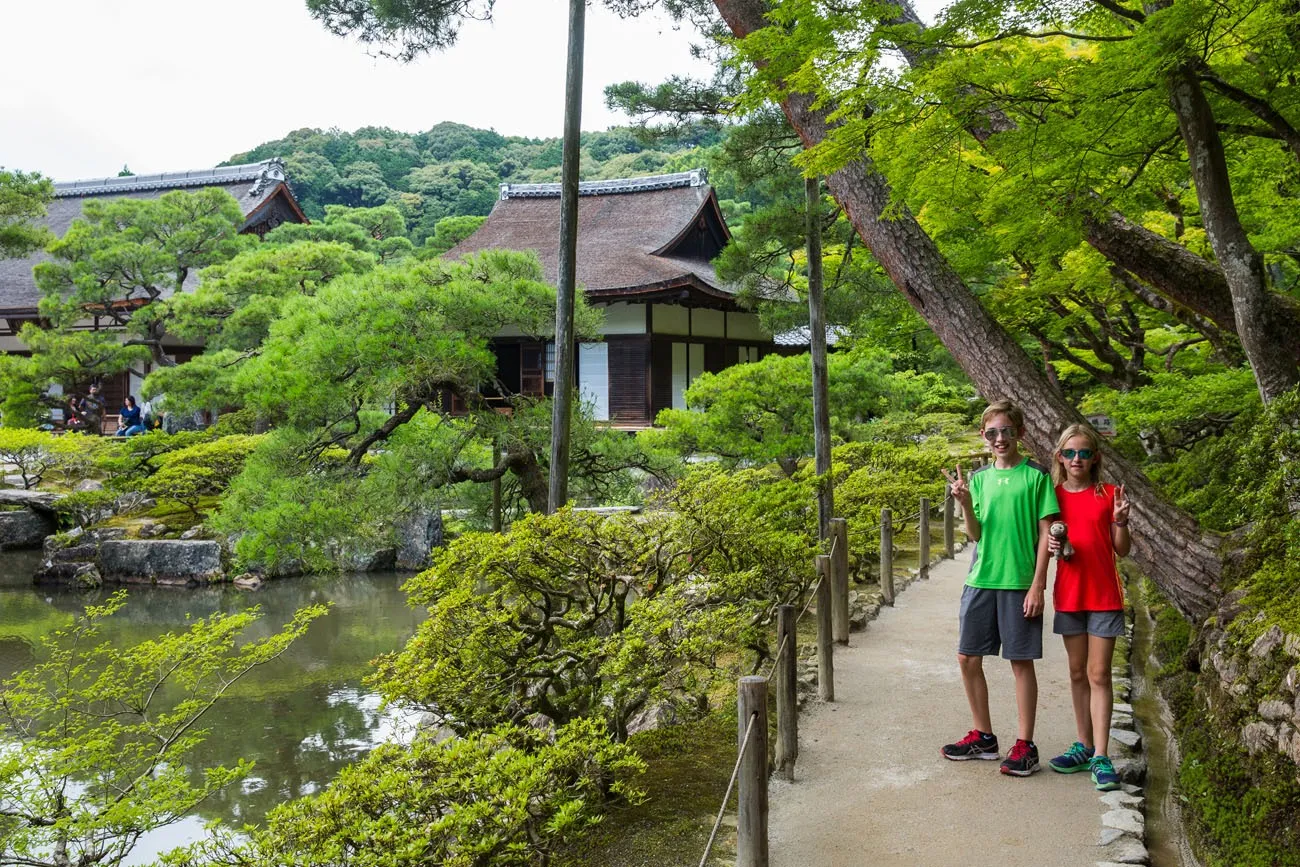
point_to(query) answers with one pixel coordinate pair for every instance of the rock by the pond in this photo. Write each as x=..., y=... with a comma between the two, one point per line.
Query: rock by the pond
x=417, y=535
x=193, y=532
x=24, y=529
x=366, y=559
x=75, y=574
x=85, y=485
x=41, y=501
x=162, y=561
x=248, y=581
x=151, y=529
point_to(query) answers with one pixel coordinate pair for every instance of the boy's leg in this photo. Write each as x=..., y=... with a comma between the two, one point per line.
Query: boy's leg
x=1022, y=644
x=977, y=691
x=1026, y=697
x=977, y=637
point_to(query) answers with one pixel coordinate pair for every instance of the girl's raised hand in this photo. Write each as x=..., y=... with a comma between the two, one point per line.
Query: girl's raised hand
x=1120, y=515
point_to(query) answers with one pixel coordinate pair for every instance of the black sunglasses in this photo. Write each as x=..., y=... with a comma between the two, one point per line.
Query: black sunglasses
x=993, y=433
x=1084, y=454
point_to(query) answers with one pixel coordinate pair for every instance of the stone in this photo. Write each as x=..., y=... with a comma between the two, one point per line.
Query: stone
x=1291, y=645
x=418, y=534
x=1274, y=710
x=1285, y=734
x=367, y=560
x=247, y=581
x=1108, y=836
x=76, y=554
x=1126, y=851
x=1270, y=641
x=192, y=533
x=1130, y=789
x=1118, y=799
x=1130, y=739
x=160, y=562
x=1121, y=707
x=24, y=529
x=85, y=485
x=652, y=717
x=41, y=501
x=1291, y=682
x=1258, y=737
x=1125, y=820
x=83, y=575
x=1121, y=721
x=1131, y=770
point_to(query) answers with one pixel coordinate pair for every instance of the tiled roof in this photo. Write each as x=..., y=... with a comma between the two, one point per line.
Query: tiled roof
x=253, y=185
x=802, y=336
x=634, y=234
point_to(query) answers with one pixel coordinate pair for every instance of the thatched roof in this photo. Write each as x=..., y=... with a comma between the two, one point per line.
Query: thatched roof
x=260, y=188
x=650, y=238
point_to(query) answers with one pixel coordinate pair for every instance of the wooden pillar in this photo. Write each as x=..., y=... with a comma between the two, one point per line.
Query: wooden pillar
x=787, y=687
x=751, y=793
x=923, y=529
x=840, y=585
x=949, y=527
x=825, y=651
x=886, y=556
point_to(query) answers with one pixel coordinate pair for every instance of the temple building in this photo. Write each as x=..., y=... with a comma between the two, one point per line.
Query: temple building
x=644, y=251
x=260, y=189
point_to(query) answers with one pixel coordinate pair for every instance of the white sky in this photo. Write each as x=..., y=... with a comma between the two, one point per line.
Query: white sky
x=165, y=85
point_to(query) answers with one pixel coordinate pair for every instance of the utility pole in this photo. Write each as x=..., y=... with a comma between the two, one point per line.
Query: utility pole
x=817, y=339
x=562, y=406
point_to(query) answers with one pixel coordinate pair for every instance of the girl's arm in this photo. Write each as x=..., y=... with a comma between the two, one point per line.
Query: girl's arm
x=1119, y=535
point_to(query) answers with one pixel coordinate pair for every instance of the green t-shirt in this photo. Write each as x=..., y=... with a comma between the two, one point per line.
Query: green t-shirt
x=1009, y=504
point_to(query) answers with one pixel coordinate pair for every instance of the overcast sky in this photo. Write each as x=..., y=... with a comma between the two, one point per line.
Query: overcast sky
x=166, y=85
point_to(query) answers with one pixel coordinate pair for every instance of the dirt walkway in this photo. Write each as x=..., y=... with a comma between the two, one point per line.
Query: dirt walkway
x=871, y=787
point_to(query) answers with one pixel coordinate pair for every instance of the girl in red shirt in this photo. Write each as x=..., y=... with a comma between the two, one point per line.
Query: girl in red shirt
x=1088, y=596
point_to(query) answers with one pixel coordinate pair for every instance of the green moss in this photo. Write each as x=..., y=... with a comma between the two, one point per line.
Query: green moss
x=687, y=771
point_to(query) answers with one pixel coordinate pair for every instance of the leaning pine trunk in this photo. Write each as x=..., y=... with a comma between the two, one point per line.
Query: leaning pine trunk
x=1168, y=545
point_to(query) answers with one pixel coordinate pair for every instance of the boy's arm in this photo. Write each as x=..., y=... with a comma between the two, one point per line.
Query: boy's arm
x=972, y=522
x=1034, y=598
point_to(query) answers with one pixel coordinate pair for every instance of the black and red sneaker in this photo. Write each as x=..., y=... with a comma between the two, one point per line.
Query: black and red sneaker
x=976, y=745
x=1022, y=760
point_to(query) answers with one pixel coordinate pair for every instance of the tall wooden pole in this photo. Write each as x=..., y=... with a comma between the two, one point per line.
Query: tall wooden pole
x=817, y=341
x=562, y=408
x=787, y=691
x=751, y=788
x=825, y=647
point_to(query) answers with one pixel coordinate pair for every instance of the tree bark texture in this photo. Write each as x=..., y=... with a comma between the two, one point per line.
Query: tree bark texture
x=1180, y=557
x=1268, y=342
x=817, y=345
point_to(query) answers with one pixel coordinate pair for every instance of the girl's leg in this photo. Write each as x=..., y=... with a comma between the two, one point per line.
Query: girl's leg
x=1076, y=652
x=1100, y=652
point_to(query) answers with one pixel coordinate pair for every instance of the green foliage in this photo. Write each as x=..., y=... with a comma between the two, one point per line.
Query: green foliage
x=22, y=406
x=100, y=739
x=508, y=796
x=31, y=452
x=23, y=198
x=870, y=476
x=448, y=232
x=189, y=475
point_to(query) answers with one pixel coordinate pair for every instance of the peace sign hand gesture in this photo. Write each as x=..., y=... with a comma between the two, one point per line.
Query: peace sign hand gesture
x=1120, y=515
x=958, y=487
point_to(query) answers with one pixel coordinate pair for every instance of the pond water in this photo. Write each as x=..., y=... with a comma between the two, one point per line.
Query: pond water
x=300, y=719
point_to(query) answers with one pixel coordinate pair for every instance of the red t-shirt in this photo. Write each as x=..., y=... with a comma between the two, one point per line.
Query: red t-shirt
x=1088, y=581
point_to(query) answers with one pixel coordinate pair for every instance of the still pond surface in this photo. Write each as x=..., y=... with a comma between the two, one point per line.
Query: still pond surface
x=300, y=719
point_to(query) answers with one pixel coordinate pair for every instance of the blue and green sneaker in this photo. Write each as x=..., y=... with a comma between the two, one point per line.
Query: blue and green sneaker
x=1073, y=760
x=1103, y=774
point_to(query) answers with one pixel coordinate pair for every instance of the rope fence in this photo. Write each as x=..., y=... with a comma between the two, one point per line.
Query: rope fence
x=830, y=592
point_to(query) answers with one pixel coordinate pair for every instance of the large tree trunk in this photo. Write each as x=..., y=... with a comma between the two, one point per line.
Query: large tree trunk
x=1268, y=341
x=1180, y=557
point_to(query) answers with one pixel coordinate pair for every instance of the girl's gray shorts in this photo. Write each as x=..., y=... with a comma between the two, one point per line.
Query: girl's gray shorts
x=1103, y=624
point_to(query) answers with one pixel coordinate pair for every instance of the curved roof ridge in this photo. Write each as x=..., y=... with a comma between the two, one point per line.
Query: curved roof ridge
x=694, y=178
x=267, y=171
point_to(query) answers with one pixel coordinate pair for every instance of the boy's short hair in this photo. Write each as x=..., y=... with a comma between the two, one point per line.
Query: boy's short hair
x=1003, y=407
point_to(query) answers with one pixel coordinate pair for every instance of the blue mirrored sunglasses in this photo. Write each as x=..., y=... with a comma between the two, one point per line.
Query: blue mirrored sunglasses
x=1084, y=454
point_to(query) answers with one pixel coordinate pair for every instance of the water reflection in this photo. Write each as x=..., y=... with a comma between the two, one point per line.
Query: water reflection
x=300, y=719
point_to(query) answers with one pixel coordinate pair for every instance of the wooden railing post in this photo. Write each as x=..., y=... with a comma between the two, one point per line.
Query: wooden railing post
x=886, y=556
x=825, y=651
x=923, y=529
x=751, y=794
x=840, y=586
x=787, y=686
x=949, y=526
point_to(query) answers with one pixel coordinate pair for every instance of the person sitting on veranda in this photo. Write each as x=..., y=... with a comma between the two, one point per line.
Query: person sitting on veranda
x=130, y=421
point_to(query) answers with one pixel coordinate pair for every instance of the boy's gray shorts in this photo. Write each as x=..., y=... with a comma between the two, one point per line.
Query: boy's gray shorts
x=993, y=619
x=1103, y=624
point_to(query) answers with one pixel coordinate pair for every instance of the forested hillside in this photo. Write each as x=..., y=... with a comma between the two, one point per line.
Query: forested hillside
x=453, y=170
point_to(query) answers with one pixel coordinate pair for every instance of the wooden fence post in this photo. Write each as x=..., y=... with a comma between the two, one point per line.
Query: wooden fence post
x=787, y=687
x=825, y=652
x=886, y=556
x=840, y=586
x=751, y=794
x=949, y=526
x=923, y=531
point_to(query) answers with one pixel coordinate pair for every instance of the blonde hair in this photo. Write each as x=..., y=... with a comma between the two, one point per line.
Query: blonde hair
x=1003, y=407
x=1094, y=443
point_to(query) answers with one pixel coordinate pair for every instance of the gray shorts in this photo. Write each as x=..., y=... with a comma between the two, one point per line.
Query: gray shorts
x=1103, y=624
x=993, y=619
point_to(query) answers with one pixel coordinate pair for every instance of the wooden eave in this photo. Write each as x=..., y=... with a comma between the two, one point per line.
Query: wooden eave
x=687, y=290
x=712, y=213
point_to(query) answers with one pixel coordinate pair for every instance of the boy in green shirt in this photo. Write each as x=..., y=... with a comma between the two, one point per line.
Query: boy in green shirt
x=1007, y=507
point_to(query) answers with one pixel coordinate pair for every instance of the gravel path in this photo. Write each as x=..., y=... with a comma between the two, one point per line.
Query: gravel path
x=870, y=786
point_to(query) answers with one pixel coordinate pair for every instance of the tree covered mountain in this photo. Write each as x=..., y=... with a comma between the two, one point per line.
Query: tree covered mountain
x=453, y=170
